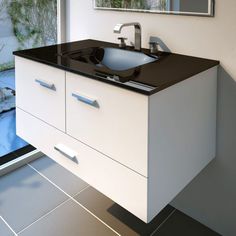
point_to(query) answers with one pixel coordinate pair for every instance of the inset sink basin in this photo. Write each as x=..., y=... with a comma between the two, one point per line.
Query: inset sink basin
x=112, y=58
x=119, y=59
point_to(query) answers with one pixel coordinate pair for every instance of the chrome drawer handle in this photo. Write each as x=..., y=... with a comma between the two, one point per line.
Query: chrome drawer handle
x=46, y=84
x=65, y=151
x=87, y=100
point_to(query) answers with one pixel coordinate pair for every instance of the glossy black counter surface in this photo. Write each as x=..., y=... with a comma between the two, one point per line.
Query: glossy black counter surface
x=168, y=70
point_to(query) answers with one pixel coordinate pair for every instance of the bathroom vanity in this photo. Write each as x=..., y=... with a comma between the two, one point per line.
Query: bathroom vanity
x=138, y=135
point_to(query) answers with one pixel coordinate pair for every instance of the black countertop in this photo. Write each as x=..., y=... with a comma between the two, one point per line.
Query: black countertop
x=147, y=79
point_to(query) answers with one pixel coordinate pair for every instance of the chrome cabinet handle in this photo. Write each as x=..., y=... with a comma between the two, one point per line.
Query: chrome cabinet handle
x=87, y=100
x=46, y=84
x=65, y=151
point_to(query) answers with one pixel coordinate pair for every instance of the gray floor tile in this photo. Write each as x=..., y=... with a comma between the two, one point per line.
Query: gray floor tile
x=67, y=181
x=117, y=217
x=4, y=230
x=25, y=196
x=180, y=224
x=68, y=220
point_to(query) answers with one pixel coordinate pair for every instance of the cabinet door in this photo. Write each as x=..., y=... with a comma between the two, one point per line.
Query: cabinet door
x=40, y=91
x=110, y=119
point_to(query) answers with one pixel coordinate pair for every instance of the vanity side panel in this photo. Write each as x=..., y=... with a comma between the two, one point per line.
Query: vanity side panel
x=182, y=136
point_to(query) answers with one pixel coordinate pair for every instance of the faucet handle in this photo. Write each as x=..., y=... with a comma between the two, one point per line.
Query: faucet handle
x=122, y=43
x=131, y=44
x=153, y=46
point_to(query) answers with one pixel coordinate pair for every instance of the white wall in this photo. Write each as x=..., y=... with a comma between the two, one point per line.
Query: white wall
x=211, y=197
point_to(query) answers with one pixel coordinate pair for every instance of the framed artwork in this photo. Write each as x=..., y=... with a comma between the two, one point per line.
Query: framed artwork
x=182, y=7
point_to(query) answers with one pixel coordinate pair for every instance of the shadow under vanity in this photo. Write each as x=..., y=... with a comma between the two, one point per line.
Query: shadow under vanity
x=138, y=135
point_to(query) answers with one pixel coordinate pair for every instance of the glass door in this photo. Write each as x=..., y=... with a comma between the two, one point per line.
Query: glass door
x=23, y=24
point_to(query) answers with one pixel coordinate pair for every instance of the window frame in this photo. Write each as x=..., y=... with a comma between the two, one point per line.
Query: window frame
x=61, y=37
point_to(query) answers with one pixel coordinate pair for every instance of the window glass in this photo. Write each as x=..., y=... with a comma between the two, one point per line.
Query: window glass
x=23, y=24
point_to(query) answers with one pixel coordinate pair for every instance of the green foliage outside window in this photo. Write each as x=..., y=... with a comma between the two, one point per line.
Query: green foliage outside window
x=34, y=24
x=137, y=4
x=34, y=21
x=133, y=4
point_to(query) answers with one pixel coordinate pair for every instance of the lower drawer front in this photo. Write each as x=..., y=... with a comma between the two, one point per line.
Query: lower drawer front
x=119, y=183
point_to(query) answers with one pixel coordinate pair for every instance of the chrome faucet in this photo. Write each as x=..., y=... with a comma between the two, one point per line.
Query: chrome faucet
x=137, y=35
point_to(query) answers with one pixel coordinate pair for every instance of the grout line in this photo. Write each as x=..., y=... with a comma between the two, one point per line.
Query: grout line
x=40, y=218
x=8, y=226
x=164, y=221
x=81, y=191
x=71, y=198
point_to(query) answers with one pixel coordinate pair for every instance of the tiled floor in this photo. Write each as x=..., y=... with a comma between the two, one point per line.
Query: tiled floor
x=44, y=199
x=9, y=141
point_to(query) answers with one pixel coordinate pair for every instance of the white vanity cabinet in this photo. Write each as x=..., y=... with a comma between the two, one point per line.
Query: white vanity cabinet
x=139, y=150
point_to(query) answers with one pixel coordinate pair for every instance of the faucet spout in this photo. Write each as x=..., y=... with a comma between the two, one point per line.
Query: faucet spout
x=137, y=33
x=117, y=28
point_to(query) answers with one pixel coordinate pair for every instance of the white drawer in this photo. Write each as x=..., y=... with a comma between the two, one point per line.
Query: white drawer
x=116, y=124
x=41, y=91
x=122, y=185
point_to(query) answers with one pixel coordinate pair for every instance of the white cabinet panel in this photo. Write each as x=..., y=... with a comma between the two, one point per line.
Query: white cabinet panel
x=41, y=91
x=121, y=184
x=182, y=136
x=112, y=120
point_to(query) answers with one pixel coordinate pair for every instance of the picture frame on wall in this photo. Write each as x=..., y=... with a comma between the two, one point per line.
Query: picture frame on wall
x=179, y=7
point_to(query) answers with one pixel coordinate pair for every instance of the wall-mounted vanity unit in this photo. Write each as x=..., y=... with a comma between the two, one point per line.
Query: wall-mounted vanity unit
x=138, y=135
